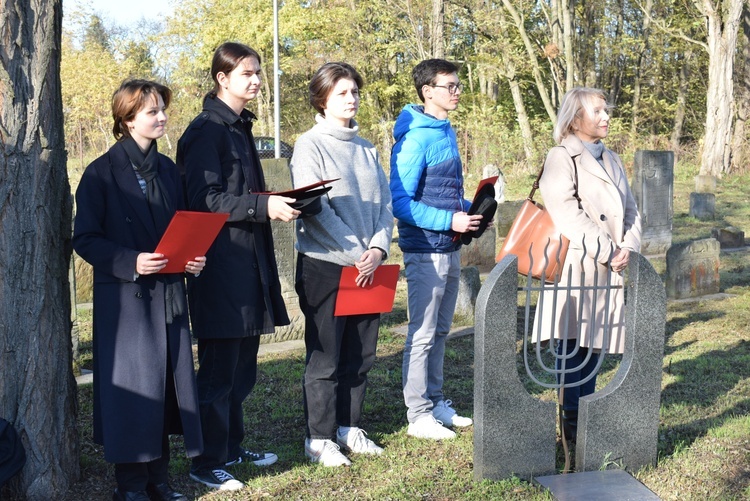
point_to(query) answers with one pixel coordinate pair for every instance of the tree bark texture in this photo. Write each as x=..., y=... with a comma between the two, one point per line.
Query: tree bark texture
x=722, y=19
x=37, y=388
x=740, y=150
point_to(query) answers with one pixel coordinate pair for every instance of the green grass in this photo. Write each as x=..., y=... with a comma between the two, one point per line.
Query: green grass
x=704, y=430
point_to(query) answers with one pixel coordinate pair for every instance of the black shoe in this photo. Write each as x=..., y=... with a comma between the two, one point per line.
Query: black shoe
x=569, y=421
x=163, y=492
x=120, y=495
x=257, y=458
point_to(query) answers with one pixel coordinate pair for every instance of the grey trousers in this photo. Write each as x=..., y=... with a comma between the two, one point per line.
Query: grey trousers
x=432, y=282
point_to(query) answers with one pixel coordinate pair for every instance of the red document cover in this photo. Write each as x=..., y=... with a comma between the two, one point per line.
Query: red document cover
x=374, y=298
x=188, y=236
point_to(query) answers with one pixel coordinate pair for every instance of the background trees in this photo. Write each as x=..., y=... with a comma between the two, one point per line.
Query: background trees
x=666, y=66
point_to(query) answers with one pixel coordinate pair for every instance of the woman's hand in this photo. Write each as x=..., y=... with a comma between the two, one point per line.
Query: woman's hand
x=620, y=260
x=279, y=209
x=148, y=263
x=195, y=267
x=367, y=265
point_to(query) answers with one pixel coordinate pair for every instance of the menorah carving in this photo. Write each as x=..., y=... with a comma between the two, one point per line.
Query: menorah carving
x=514, y=431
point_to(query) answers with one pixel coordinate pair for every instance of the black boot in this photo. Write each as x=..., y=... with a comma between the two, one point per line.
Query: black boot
x=569, y=420
x=164, y=492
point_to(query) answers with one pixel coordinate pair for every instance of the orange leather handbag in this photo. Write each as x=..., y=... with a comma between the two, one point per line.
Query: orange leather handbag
x=533, y=238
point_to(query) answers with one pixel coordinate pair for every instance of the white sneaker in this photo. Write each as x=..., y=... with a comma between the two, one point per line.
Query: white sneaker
x=355, y=440
x=429, y=427
x=445, y=413
x=325, y=452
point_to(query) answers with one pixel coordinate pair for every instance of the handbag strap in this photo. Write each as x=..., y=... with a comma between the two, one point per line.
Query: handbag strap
x=535, y=185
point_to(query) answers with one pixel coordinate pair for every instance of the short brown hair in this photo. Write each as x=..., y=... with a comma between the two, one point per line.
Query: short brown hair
x=227, y=57
x=130, y=98
x=326, y=78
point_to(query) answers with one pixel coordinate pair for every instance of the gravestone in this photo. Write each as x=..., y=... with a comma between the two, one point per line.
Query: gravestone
x=468, y=289
x=729, y=237
x=480, y=251
x=702, y=206
x=506, y=214
x=653, y=185
x=514, y=432
x=693, y=269
x=278, y=178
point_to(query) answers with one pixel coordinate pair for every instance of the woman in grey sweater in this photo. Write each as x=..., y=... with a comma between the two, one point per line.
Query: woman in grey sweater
x=353, y=228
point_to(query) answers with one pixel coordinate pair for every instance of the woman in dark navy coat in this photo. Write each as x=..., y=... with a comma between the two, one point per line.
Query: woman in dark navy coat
x=144, y=383
x=238, y=298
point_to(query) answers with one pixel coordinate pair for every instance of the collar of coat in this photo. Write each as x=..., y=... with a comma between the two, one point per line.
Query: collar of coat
x=226, y=114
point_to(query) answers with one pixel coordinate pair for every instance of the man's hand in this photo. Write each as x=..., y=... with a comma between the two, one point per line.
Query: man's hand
x=279, y=209
x=462, y=222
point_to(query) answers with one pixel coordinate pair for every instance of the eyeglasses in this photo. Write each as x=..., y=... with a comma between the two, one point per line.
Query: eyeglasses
x=451, y=88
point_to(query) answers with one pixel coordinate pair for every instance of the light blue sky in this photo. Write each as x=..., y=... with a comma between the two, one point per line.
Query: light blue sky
x=126, y=12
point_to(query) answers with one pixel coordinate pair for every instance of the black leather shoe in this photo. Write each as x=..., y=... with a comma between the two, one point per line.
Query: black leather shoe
x=120, y=495
x=163, y=492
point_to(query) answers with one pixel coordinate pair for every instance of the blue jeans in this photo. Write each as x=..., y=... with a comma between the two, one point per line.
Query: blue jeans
x=572, y=394
x=432, y=281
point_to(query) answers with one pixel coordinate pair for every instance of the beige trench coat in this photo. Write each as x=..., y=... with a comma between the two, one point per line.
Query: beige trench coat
x=606, y=219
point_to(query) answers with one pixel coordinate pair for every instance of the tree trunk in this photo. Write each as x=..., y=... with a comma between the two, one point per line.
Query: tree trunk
x=722, y=19
x=739, y=140
x=640, y=60
x=438, y=23
x=37, y=388
x=680, y=110
x=523, y=117
x=531, y=51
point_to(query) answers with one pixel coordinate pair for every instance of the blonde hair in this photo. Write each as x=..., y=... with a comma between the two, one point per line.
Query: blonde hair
x=575, y=100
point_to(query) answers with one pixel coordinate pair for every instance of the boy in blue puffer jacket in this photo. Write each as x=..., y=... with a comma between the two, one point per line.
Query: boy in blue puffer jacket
x=428, y=200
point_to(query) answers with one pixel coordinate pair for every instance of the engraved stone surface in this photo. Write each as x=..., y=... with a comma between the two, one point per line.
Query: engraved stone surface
x=277, y=176
x=693, y=269
x=653, y=185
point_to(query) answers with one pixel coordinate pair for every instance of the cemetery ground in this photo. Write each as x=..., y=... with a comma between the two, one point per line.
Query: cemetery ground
x=704, y=431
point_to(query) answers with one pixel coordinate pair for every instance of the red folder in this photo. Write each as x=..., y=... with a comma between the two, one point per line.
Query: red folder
x=374, y=298
x=188, y=236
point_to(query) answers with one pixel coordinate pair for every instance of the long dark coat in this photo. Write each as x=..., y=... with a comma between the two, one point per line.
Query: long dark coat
x=113, y=225
x=239, y=295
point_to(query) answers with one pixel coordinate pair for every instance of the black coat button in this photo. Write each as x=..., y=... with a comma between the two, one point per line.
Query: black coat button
x=251, y=211
x=602, y=217
x=128, y=220
x=138, y=295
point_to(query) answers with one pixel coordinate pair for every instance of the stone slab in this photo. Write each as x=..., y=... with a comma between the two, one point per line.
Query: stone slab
x=653, y=188
x=612, y=485
x=702, y=206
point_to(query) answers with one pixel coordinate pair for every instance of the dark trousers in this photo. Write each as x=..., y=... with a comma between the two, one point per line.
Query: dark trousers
x=226, y=376
x=340, y=351
x=572, y=394
x=135, y=476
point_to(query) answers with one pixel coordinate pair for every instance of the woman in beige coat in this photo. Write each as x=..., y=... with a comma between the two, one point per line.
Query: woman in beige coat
x=603, y=225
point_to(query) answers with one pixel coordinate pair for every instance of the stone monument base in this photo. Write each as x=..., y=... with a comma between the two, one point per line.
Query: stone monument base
x=612, y=485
